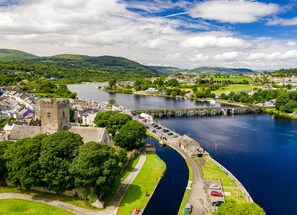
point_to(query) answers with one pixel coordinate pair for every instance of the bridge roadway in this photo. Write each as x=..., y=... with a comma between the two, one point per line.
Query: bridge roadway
x=200, y=111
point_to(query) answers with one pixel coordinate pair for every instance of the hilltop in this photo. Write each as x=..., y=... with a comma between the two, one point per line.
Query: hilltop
x=8, y=55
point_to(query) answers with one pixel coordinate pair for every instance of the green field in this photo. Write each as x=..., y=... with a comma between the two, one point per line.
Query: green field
x=146, y=180
x=19, y=206
x=236, y=79
x=235, y=88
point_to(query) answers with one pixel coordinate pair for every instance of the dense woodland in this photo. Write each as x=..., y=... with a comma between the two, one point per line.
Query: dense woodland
x=61, y=161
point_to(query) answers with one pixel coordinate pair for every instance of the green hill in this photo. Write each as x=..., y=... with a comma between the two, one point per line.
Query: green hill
x=168, y=69
x=221, y=70
x=8, y=55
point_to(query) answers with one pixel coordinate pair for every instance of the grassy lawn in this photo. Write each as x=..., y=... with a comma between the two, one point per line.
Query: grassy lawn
x=235, y=88
x=124, y=175
x=146, y=180
x=19, y=206
x=232, y=78
x=212, y=172
x=68, y=199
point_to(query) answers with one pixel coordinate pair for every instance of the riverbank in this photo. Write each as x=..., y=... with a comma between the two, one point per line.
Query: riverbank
x=207, y=171
x=145, y=183
x=280, y=114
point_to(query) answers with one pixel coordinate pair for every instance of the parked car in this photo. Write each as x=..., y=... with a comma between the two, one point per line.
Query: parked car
x=170, y=133
x=164, y=138
x=175, y=136
x=216, y=193
x=214, y=187
x=165, y=130
x=154, y=131
x=147, y=127
x=188, y=209
x=159, y=127
x=217, y=203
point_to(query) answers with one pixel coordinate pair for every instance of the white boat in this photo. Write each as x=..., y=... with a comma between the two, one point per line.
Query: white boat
x=212, y=102
x=162, y=143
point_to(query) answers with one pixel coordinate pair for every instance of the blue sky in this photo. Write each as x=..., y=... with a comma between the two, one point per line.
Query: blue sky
x=190, y=33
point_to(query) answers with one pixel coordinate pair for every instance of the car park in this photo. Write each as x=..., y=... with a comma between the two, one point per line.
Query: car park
x=214, y=187
x=217, y=203
x=216, y=193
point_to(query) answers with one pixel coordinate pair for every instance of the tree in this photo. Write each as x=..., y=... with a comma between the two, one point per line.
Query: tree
x=97, y=166
x=115, y=122
x=112, y=102
x=3, y=171
x=281, y=100
x=131, y=135
x=102, y=118
x=57, y=153
x=22, y=162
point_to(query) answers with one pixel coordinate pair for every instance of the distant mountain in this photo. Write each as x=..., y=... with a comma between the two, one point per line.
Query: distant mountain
x=167, y=69
x=8, y=55
x=220, y=70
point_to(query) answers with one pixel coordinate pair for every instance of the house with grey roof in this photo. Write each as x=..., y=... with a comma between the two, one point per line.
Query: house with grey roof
x=190, y=146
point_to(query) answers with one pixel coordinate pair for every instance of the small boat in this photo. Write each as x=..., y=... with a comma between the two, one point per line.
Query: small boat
x=162, y=143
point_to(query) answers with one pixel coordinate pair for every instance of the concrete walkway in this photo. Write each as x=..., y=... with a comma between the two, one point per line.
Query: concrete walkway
x=117, y=198
x=111, y=208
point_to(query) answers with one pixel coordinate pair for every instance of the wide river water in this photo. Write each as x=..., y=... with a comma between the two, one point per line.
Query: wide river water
x=259, y=150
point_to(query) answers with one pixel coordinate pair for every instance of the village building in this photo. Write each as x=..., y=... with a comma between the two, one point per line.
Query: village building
x=54, y=116
x=190, y=146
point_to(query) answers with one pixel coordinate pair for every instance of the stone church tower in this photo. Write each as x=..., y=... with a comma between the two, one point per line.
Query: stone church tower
x=54, y=115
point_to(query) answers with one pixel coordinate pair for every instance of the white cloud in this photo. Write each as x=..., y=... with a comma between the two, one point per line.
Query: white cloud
x=291, y=43
x=292, y=54
x=285, y=22
x=101, y=27
x=213, y=41
x=233, y=11
x=227, y=56
x=175, y=56
x=199, y=58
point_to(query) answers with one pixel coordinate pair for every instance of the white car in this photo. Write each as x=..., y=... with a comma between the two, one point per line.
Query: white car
x=214, y=187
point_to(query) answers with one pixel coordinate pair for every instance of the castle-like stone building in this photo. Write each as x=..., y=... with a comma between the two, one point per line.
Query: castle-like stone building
x=54, y=116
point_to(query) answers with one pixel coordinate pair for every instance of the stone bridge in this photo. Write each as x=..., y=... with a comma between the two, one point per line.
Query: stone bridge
x=200, y=111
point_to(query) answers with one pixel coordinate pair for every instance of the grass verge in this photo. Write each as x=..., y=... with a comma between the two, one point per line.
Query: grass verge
x=146, y=180
x=187, y=192
x=67, y=199
x=19, y=206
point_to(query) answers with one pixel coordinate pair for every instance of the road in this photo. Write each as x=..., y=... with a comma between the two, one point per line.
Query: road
x=198, y=196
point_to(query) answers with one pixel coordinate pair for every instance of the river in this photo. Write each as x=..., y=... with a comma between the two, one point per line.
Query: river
x=259, y=150
x=137, y=102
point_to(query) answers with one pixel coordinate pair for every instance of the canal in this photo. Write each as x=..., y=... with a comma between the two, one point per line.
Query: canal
x=169, y=192
x=259, y=150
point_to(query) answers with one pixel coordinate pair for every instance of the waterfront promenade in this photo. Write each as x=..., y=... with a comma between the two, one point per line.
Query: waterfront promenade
x=199, y=195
